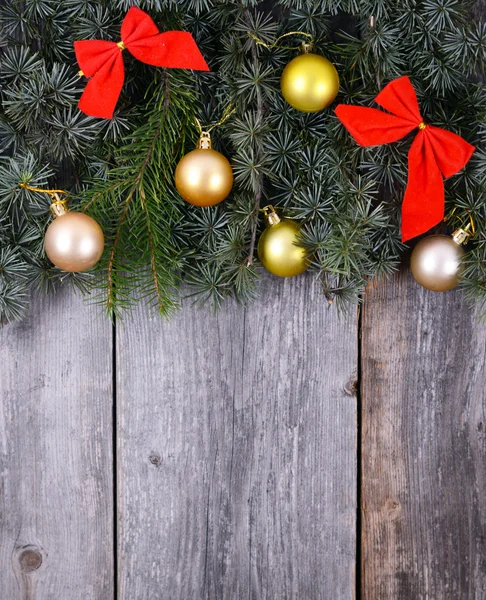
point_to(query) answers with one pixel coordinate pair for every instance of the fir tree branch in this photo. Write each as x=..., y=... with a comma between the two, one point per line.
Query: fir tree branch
x=137, y=188
x=348, y=197
x=259, y=186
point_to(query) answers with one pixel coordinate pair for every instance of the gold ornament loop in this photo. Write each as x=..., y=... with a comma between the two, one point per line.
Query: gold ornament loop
x=57, y=200
x=422, y=126
x=228, y=111
x=260, y=42
x=52, y=193
x=58, y=206
x=471, y=222
x=463, y=234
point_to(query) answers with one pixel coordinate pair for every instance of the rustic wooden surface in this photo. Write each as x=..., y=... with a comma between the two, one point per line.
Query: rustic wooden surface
x=56, y=476
x=423, y=443
x=237, y=451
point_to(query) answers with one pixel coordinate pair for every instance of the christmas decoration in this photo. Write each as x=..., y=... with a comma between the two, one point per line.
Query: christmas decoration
x=437, y=260
x=309, y=82
x=277, y=247
x=345, y=197
x=204, y=177
x=102, y=61
x=434, y=154
x=73, y=241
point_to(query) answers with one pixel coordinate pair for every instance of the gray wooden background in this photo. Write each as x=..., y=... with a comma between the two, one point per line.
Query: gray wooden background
x=276, y=452
x=273, y=452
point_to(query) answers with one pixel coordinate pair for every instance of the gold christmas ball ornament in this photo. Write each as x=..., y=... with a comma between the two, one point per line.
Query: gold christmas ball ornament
x=74, y=241
x=277, y=249
x=204, y=176
x=436, y=261
x=309, y=82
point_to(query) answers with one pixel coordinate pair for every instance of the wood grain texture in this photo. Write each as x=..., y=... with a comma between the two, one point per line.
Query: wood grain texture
x=56, y=479
x=423, y=445
x=237, y=450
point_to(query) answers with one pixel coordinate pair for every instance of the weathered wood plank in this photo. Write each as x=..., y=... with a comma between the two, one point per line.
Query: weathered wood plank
x=237, y=450
x=423, y=445
x=56, y=480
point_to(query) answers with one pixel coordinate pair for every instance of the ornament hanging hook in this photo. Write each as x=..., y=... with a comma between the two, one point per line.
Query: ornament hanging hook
x=260, y=42
x=58, y=205
x=52, y=193
x=470, y=226
x=228, y=111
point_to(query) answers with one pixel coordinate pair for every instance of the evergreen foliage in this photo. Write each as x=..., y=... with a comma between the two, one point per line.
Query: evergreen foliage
x=121, y=171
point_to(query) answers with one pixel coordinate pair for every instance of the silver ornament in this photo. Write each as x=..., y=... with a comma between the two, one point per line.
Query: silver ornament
x=436, y=262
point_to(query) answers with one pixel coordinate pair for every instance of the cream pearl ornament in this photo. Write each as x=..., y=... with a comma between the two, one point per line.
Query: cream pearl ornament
x=436, y=261
x=74, y=241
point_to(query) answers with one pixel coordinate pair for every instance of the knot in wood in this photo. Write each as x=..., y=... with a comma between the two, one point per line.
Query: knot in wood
x=351, y=387
x=30, y=560
x=155, y=459
x=392, y=509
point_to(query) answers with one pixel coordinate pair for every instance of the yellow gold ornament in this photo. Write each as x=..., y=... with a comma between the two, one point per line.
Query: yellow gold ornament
x=309, y=82
x=204, y=176
x=277, y=249
x=74, y=241
x=436, y=261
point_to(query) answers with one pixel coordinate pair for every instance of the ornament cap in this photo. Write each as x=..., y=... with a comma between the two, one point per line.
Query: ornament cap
x=461, y=236
x=270, y=215
x=58, y=206
x=204, y=142
x=306, y=48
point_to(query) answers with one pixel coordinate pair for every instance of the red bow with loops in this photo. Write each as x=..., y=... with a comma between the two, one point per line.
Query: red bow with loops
x=435, y=153
x=102, y=61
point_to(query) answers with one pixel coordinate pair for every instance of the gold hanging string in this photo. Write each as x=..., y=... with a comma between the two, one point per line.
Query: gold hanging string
x=260, y=42
x=54, y=194
x=228, y=111
x=469, y=225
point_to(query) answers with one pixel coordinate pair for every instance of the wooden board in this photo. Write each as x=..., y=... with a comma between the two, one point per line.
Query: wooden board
x=423, y=445
x=56, y=487
x=237, y=450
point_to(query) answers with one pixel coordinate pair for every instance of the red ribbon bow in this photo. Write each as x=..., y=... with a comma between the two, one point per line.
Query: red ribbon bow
x=102, y=61
x=433, y=154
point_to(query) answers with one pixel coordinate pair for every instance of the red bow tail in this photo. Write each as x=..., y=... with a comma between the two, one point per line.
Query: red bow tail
x=103, y=63
x=435, y=153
